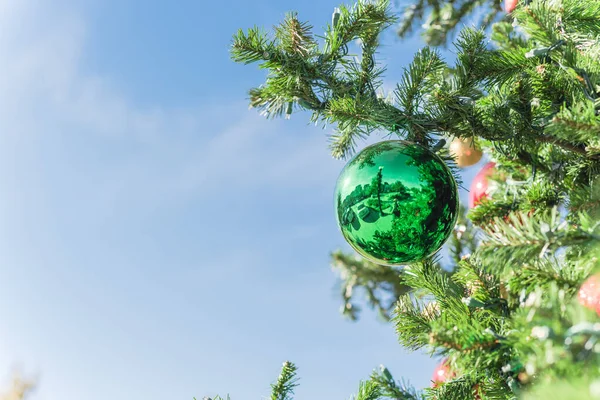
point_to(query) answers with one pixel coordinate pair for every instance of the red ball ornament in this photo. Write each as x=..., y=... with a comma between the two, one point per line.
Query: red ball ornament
x=589, y=293
x=510, y=5
x=479, y=186
x=441, y=374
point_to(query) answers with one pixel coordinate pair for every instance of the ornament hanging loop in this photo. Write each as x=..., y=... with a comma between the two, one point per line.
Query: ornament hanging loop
x=438, y=146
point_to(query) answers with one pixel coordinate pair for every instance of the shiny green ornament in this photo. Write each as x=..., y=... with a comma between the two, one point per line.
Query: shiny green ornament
x=396, y=202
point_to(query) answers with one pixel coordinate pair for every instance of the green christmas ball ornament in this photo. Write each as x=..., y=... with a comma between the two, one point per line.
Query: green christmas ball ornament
x=396, y=202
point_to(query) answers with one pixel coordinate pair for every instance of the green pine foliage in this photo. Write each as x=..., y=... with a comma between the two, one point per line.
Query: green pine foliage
x=284, y=387
x=438, y=19
x=381, y=284
x=504, y=314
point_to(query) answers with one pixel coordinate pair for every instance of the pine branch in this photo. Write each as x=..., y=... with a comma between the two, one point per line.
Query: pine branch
x=364, y=19
x=295, y=37
x=252, y=47
x=439, y=19
x=457, y=389
x=456, y=306
x=586, y=198
x=419, y=79
x=578, y=123
x=480, y=284
x=521, y=237
x=283, y=389
x=428, y=276
x=413, y=325
x=303, y=76
x=381, y=284
x=313, y=80
x=392, y=389
x=368, y=390
x=561, y=143
x=463, y=240
x=543, y=273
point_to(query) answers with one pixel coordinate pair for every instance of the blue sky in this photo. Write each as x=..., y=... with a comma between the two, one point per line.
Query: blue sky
x=158, y=240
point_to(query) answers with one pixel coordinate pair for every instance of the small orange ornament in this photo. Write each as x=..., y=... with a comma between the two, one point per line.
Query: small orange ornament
x=510, y=5
x=504, y=291
x=465, y=153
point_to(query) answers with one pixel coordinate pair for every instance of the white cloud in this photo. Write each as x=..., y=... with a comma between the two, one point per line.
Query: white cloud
x=45, y=96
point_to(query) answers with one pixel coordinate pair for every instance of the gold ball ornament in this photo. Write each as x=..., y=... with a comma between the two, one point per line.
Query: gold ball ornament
x=465, y=153
x=504, y=291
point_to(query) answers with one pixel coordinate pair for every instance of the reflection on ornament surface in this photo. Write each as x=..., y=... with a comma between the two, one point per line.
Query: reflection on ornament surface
x=396, y=202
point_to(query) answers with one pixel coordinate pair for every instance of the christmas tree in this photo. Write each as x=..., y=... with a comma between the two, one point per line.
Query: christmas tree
x=516, y=313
